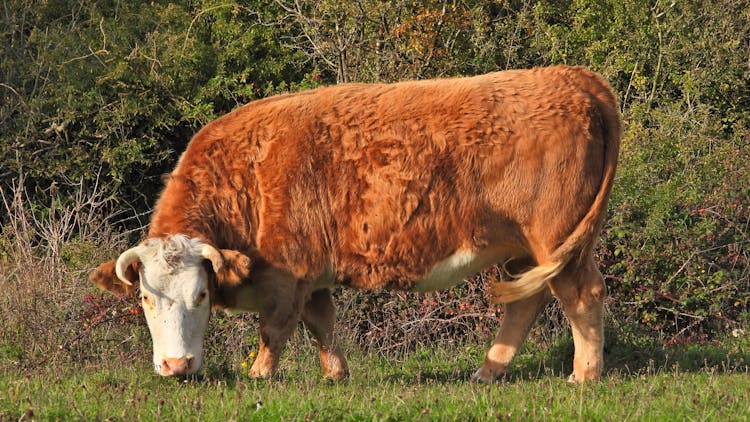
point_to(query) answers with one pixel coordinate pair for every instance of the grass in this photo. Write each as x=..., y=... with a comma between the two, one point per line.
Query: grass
x=429, y=384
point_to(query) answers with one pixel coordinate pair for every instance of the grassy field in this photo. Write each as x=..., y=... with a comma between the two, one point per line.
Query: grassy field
x=708, y=382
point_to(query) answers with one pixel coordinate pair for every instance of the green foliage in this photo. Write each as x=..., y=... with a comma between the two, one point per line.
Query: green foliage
x=121, y=87
x=677, y=242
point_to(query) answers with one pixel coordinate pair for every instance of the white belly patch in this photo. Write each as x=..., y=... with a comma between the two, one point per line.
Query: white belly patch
x=454, y=269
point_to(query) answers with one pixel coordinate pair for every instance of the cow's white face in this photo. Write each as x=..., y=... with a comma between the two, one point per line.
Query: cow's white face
x=174, y=292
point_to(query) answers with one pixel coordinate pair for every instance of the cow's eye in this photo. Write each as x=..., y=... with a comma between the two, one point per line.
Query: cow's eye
x=201, y=296
x=144, y=300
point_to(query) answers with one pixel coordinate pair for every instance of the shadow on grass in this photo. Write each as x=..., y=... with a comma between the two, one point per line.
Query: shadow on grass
x=427, y=376
x=629, y=354
x=625, y=354
x=212, y=374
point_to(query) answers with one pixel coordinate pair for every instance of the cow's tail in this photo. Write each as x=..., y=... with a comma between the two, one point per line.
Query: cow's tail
x=581, y=241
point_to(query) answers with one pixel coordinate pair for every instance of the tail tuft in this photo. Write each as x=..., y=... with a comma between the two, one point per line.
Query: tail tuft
x=528, y=284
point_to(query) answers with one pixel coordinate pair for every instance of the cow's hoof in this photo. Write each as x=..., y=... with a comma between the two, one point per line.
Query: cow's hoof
x=486, y=376
x=334, y=364
x=336, y=375
x=260, y=372
x=335, y=369
x=573, y=379
x=258, y=375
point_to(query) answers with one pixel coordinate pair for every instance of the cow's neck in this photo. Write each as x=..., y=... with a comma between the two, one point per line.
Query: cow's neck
x=193, y=209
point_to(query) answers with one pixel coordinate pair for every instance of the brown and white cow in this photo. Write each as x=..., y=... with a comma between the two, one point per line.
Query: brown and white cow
x=411, y=186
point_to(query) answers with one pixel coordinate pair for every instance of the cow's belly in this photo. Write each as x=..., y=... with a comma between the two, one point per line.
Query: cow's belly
x=245, y=300
x=462, y=264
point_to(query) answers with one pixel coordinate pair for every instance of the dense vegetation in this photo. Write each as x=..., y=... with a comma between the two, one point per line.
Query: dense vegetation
x=97, y=100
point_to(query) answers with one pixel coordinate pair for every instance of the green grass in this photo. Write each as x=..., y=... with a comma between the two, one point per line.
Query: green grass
x=425, y=385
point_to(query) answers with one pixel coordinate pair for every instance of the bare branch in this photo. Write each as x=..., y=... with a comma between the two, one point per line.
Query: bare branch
x=102, y=50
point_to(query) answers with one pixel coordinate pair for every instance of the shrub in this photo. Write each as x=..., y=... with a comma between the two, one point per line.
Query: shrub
x=45, y=255
x=676, y=245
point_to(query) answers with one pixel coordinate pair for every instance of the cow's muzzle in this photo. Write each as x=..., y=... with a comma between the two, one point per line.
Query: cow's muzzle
x=177, y=366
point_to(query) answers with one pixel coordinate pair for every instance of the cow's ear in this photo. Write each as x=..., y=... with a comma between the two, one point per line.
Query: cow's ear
x=234, y=269
x=106, y=278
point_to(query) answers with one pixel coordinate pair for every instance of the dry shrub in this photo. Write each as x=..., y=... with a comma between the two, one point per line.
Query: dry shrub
x=49, y=313
x=394, y=323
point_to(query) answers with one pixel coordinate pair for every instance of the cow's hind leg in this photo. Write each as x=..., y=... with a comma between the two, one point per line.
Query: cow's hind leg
x=519, y=316
x=581, y=292
x=319, y=317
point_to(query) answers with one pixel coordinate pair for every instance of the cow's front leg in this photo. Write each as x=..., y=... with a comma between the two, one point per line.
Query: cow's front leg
x=280, y=310
x=319, y=317
x=274, y=332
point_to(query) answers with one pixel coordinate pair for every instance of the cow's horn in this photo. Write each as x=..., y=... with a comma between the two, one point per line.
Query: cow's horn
x=124, y=260
x=212, y=254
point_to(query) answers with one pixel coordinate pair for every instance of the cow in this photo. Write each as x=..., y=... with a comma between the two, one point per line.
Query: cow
x=411, y=186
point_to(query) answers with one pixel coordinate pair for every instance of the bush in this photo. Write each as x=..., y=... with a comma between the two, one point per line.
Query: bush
x=676, y=246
